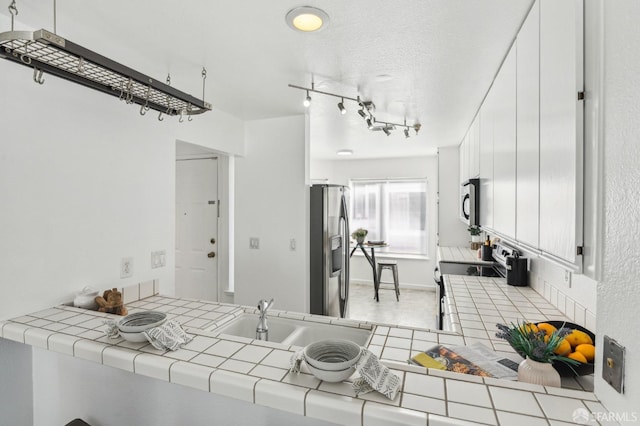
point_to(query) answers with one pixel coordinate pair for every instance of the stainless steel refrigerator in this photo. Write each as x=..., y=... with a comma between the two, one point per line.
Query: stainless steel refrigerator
x=329, y=239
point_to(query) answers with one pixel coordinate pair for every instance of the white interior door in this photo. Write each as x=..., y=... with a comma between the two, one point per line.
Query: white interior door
x=197, y=228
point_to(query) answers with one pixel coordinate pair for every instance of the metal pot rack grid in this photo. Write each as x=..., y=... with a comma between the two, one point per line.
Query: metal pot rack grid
x=49, y=53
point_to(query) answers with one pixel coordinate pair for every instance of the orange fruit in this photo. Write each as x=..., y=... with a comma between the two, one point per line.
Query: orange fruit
x=588, y=350
x=578, y=357
x=529, y=328
x=577, y=337
x=563, y=348
x=547, y=328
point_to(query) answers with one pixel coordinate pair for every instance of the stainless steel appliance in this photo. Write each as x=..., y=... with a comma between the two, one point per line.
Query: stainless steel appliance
x=470, y=199
x=329, y=250
x=500, y=266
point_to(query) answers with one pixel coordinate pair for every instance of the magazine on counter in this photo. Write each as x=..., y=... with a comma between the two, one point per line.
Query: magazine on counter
x=476, y=359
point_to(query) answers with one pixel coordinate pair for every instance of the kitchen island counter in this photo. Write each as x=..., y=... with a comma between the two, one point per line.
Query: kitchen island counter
x=257, y=371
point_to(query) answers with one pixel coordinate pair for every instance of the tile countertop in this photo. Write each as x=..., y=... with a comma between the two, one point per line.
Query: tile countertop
x=460, y=255
x=257, y=371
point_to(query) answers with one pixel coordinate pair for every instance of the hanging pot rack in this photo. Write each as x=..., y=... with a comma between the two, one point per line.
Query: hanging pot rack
x=47, y=52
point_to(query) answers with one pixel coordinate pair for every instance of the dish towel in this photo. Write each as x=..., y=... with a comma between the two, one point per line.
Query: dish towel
x=169, y=335
x=373, y=374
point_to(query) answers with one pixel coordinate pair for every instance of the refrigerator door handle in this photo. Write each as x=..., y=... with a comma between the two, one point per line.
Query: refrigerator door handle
x=344, y=283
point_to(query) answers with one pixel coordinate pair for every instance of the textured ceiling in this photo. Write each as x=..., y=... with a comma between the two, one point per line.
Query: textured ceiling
x=430, y=61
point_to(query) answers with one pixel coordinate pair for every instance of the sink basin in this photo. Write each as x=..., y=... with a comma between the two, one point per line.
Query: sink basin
x=245, y=326
x=293, y=332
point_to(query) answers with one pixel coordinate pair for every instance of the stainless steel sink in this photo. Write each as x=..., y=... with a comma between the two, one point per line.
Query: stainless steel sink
x=293, y=332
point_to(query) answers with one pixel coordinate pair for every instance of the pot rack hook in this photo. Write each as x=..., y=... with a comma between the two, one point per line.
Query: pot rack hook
x=204, y=77
x=181, y=120
x=160, y=117
x=145, y=107
x=13, y=10
x=189, y=109
x=38, y=75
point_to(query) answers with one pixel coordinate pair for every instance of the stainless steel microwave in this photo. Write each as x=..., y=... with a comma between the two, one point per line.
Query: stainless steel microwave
x=470, y=202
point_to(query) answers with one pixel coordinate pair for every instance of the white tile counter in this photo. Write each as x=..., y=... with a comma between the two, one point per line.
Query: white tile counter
x=460, y=255
x=257, y=371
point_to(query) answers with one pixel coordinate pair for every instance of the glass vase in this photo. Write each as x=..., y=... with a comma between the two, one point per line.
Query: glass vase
x=538, y=373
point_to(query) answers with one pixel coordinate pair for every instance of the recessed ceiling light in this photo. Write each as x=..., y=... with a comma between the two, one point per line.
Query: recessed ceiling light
x=344, y=152
x=307, y=19
x=383, y=77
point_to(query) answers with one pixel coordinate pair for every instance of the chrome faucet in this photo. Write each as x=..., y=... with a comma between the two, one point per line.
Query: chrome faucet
x=262, y=331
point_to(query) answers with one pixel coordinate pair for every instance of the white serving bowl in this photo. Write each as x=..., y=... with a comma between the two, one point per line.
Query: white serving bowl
x=133, y=337
x=141, y=321
x=331, y=376
x=332, y=354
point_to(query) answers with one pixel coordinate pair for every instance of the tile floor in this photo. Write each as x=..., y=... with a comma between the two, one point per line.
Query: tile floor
x=416, y=308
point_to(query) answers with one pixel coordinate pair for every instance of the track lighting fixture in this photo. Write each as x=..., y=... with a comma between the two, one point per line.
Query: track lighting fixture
x=367, y=108
x=341, y=107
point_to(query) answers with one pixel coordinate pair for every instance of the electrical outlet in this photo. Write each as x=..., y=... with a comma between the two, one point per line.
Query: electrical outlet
x=254, y=243
x=158, y=259
x=126, y=267
x=292, y=244
x=567, y=278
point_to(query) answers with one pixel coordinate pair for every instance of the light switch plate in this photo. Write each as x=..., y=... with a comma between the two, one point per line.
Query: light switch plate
x=613, y=364
x=254, y=243
x=126, y=267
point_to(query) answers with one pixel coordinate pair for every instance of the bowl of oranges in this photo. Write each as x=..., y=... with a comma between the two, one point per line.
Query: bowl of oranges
x=577, y=345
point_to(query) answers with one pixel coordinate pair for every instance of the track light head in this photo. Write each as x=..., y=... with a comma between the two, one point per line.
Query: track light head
x=417, y=127
x=369, y=123
x=406, y=132
x=386, y=131
x=362, y=113
x=341, y=107
x=307, y=101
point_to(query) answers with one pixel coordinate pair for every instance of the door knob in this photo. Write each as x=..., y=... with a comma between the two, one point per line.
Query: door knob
x=211, y=254
x=213, y=241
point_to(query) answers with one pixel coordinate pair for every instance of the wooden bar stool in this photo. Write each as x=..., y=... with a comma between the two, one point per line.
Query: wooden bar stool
x=393, y=266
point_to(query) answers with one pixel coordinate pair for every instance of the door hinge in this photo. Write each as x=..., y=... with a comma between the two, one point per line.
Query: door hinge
x=580, y=96
x=579, y=250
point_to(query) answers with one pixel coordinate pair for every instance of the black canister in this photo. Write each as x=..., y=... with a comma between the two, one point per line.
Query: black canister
x=486, y=252
x=517, y=270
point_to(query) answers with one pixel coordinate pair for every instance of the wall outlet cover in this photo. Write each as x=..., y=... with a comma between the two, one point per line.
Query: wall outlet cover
x=254, y=243
x=613, y=363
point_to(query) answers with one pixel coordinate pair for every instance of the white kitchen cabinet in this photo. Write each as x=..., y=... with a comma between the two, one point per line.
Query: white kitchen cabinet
x=504, y=147
x=528, y=119
x=561, y=120
x=486, y=161
x=474, y=148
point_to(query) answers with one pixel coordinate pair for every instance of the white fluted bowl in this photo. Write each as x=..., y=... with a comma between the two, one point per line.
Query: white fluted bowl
x=141, y=321
x=332, y=354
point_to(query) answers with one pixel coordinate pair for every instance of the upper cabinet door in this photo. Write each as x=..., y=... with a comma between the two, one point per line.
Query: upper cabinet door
x=561, y=121
x=474, y=148
x=486, y=160
x=504, y=147
x=528, y=113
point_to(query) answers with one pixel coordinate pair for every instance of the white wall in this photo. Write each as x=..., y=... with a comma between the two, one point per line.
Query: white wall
x=272, y=204
x=85, y=180
x=451, y=230
x=66, y=388
x=412, y=272
x=618, y=295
